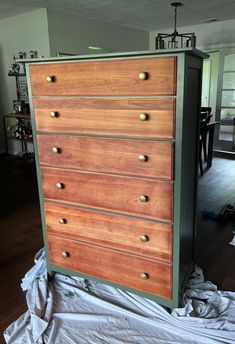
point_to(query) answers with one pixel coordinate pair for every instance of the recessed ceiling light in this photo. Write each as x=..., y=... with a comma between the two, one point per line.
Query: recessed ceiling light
x=210, y=20
x=95, y=48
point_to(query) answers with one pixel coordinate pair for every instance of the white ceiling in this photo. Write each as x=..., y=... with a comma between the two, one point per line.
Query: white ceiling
x=149, y=15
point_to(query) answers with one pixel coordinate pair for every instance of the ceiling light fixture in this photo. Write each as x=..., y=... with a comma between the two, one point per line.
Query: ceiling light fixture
x=175, y=40
x=94, y=48
x=210, y=20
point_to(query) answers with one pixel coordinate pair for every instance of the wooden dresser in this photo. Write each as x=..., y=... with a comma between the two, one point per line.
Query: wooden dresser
x=116, y=151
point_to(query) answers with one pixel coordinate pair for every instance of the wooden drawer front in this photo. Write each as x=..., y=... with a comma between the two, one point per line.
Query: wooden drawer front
x=115, y=193
x=104, y=116
x=142, y=237
x=111, y=265
x=130, y=157
x=110, y=77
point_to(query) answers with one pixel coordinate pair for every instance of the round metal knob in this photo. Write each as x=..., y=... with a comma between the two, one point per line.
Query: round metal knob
x=143, y=117
x=144, y=276
x=62, y=221
x=53, y=114
x=65, y=254
x=142, y=158
x=59, y=185
x=56, y=150
x=144, y=238
x=50, y=78
x=143, y=198
x=143, y=75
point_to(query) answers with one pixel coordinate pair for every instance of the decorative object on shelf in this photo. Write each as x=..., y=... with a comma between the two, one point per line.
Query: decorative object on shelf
x=33, y=54
x=14, y=69
x=21, y=106
x=22, y=55
x=175, y=39
x=10, y=131
x=21, y=129
x=18, y=127
x=18, y=106
x=18, y=68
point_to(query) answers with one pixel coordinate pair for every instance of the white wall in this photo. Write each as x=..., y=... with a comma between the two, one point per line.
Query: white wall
x=209, y=35
x=74, y=34
x=20, y=33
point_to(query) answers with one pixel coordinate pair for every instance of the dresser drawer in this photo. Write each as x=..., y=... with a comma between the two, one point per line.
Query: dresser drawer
x=110, y=192
x=130, y=157
x=107, y=116
x=116, y=77
x=129, y=270
x=148, y=238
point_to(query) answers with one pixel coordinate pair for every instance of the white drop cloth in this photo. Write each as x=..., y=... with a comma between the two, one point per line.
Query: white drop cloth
x=71, y=310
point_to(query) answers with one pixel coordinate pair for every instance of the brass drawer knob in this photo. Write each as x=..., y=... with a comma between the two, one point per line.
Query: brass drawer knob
x=143, y=117
x=56, y=150
x=142, y=158
x=144, y=276
x=143, y=75
x=65, y=254
x=144, y=238
x=53, y=114
x=62, y=221
x=143, y=198
x=59, y=186
x=50, y=78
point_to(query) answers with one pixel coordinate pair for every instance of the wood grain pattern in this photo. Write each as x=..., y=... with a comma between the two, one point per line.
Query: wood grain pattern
x=110, y=230
x=110, y=77
x=110, y=192
x=107, y=155
x=112, y=265
x=107, y=116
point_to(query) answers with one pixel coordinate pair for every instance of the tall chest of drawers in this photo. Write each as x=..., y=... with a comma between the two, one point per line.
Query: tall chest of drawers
x=116, y=153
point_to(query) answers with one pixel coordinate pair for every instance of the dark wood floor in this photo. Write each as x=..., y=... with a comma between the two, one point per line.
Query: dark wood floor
x=21, y=235
x=213, y=252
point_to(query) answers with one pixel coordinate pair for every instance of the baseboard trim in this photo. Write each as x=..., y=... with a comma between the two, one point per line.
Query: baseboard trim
x=224, y=154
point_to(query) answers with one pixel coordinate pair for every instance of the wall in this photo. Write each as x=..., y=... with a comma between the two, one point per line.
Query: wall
x=20, y=33
x=74, y=34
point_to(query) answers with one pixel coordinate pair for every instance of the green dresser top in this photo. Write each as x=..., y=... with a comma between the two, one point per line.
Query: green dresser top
x=189, y=51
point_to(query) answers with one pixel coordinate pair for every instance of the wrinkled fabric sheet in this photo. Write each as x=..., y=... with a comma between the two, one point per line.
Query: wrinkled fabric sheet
x=70, y=310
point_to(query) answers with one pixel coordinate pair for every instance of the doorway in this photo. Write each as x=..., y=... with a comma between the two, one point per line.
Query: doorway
x=225, y=109
x=216, y=187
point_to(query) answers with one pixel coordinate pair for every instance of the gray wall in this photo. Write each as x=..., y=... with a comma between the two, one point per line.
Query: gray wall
x=20, y=33
x=74, y=34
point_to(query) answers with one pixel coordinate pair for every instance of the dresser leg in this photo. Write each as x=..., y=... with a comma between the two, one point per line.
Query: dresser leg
x=169, y=310
x=50, y=275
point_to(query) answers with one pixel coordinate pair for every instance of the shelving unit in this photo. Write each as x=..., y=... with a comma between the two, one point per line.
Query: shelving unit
x=17, y=127
x=17, y=124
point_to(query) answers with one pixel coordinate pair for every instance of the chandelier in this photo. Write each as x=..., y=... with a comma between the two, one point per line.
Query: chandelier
x=175, y=40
